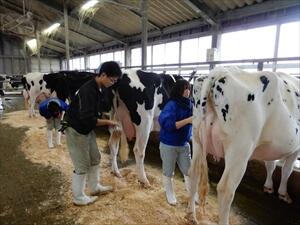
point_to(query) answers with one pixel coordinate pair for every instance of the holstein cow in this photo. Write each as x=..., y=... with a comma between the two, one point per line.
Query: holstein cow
x=35, y=90
x=241, y=116
x=139, y=98
x=4, y=83
x=63, y=84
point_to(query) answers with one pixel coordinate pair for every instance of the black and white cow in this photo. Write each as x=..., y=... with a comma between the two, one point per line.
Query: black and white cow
x=63, y=84
x=139, y=98
x=4, y=83
x=241, y=116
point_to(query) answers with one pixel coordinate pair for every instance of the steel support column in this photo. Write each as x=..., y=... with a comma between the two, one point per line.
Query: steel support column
x=144, y=12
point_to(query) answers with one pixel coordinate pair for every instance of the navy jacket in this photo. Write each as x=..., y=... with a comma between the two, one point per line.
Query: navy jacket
x=175, y=110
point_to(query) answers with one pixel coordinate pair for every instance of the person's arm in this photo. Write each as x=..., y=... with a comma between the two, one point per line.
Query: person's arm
x=182, y=123
x=103, y=122
x=64, y=106
x=167, y=117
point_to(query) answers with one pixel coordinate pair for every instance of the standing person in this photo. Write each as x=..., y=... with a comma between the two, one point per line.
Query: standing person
x=176, y=130
x=82, y=117
x=52, y=109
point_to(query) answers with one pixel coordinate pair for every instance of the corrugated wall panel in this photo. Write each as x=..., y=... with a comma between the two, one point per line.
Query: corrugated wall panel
x=47, y=65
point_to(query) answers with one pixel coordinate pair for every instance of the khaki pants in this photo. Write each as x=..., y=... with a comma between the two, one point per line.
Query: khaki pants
x=53, y=123
x=83, y=150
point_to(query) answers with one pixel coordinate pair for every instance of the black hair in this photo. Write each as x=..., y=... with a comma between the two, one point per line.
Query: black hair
x=179, y=87
x=111, y=69
x=53, y=108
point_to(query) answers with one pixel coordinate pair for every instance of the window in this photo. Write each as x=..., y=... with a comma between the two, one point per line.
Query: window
x=78, y=63
x=166, y=53
x=248, y=44
x=94, y=61
x=119, y=57
x=107, y=57
x=136, y=56
x=171, y=52
x=203, y=45
x=158, y=54
x=194, y=50
x=71, y=64
x=289, y=44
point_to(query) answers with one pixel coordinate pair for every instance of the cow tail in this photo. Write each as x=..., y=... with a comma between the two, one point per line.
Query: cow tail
x=199, y=162
x=204, y=186
x=124, y=150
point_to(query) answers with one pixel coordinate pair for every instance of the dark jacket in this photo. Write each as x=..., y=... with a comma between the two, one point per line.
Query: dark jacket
x=85, y=108
x=175, y=110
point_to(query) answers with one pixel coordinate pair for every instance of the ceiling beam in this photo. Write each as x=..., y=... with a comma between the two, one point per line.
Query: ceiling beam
x=263, y=7
x=91, y=24
x=45, y=54
x=203, y=10
x=134, y=11
x=53, y=47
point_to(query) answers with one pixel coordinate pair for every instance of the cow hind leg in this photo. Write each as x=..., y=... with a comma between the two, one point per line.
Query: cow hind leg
x=142, y=136
x=235, y=167
x=31, y=108
x=113, y=144
x=194, y=174
x=286, y=171
x=268, y=186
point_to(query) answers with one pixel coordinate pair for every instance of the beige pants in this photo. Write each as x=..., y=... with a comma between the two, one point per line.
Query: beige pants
x=53, y=123
x=83, y=150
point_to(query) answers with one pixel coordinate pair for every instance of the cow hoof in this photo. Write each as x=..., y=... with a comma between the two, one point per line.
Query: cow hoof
x=268, y=190
x=191, y=219
x=50, y=146
x=145, y=184
x=117, y=174
x=286, y=198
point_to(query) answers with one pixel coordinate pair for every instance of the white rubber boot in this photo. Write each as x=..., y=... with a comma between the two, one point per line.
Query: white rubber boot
x=78, y=185
x=93, y=182
x=187, y=182
x=58, y=137
x=49, y=136
x=168, y=185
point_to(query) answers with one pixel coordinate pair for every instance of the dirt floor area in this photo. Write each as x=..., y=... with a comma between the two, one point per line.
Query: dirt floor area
x=35, y=185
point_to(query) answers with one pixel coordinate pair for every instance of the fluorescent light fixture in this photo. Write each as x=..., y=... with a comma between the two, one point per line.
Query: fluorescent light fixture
x=32, y=44
x=50, y=29
x=89, y=4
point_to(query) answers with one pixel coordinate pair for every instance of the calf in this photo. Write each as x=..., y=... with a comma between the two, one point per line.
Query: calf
x=241, y=116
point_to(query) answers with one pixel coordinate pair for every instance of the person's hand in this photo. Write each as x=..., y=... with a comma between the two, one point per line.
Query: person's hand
x=112, y=123
x=190, y=119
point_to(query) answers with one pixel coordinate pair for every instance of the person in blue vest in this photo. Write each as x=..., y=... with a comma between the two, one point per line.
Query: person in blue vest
x=176, y=129
x=51, y=109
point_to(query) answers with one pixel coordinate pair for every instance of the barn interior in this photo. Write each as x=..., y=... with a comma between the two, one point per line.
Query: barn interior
x=53, y=35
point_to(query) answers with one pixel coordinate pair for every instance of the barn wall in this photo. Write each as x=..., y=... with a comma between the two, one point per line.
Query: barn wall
x=47, y=65
x=12, y=61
